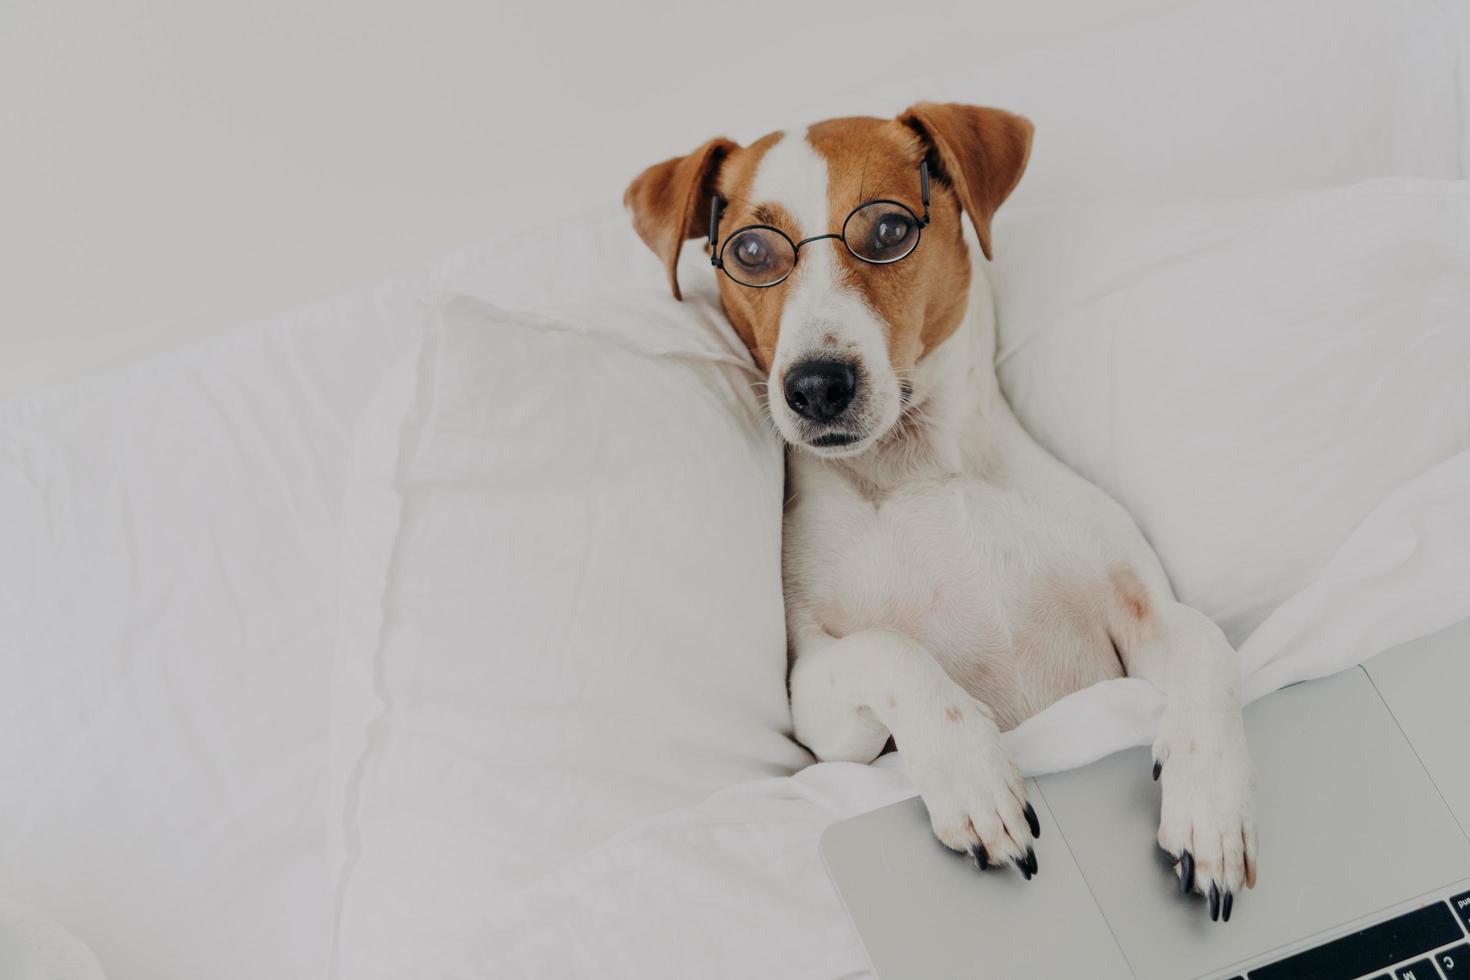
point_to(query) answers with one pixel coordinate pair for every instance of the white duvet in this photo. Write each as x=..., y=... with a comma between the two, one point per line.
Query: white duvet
x=174, y=551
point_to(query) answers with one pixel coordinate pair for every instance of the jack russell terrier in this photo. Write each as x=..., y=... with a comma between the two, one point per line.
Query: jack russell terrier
x=945, y=577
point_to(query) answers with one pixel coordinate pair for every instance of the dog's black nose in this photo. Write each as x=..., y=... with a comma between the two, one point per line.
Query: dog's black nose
x=820, y=390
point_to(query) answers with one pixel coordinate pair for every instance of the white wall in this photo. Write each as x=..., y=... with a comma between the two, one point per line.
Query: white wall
x=171, y=168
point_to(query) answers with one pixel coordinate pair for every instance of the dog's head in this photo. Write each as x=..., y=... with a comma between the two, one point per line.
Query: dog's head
x=838, y=274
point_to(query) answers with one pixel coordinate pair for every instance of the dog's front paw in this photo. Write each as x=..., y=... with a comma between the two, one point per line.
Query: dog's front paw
x=975, y=795
x=1206, y=824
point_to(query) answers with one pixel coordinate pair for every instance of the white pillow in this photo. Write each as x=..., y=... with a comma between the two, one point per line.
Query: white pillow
x=563, y=611
x=1220, y=97
x=1249, y=377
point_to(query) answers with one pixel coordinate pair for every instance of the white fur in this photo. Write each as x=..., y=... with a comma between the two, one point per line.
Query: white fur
x=947, y=578
x=793, y=175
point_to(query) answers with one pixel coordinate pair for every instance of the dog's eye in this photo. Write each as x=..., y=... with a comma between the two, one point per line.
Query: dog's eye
x=891, y=231
x=881, y=232
x=758, y=256
x=752, y=253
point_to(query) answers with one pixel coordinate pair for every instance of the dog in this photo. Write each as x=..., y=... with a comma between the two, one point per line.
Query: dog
x=945, y=577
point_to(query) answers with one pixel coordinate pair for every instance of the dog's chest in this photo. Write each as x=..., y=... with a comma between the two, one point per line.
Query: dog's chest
x=923, y=558
x=1001, y=591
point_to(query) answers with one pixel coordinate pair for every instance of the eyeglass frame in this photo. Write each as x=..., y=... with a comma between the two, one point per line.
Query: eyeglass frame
x=717, y=208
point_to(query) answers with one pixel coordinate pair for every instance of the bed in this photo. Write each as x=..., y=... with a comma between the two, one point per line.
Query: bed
x=335, y=647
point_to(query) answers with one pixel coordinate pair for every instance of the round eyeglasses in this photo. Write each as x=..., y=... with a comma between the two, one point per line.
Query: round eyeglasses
x=878, y=232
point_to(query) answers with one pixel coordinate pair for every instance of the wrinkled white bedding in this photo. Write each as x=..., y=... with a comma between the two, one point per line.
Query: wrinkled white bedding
x=167, y=592
x=170, y=561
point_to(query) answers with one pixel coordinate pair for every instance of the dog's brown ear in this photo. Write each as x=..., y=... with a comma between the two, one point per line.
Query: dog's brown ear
x=981, y=152
x=670, y=202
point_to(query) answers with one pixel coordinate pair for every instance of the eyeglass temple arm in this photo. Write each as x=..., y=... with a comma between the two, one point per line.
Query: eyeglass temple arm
x=924, y=189
x=716, y=205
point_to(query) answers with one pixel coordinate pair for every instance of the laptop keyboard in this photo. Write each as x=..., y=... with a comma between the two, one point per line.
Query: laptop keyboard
x=1425, y=944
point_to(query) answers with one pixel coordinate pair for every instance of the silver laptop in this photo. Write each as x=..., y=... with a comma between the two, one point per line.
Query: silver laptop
x=1363, y=811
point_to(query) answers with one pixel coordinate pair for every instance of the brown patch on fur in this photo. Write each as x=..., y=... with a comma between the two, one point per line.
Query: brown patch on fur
x=921, y=299
x=981, y=152
x=1131, y=592
x=953, y=713
x=754, y=313
x=670, y=202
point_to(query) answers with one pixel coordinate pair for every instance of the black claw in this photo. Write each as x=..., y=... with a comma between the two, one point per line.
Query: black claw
x=1031, y=821
x=1031, y=859
x=1024, y=866
x=1158, y=768
x=1186, y=872
x=1225, y=909
x=982, y=860
x=1214, y=903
